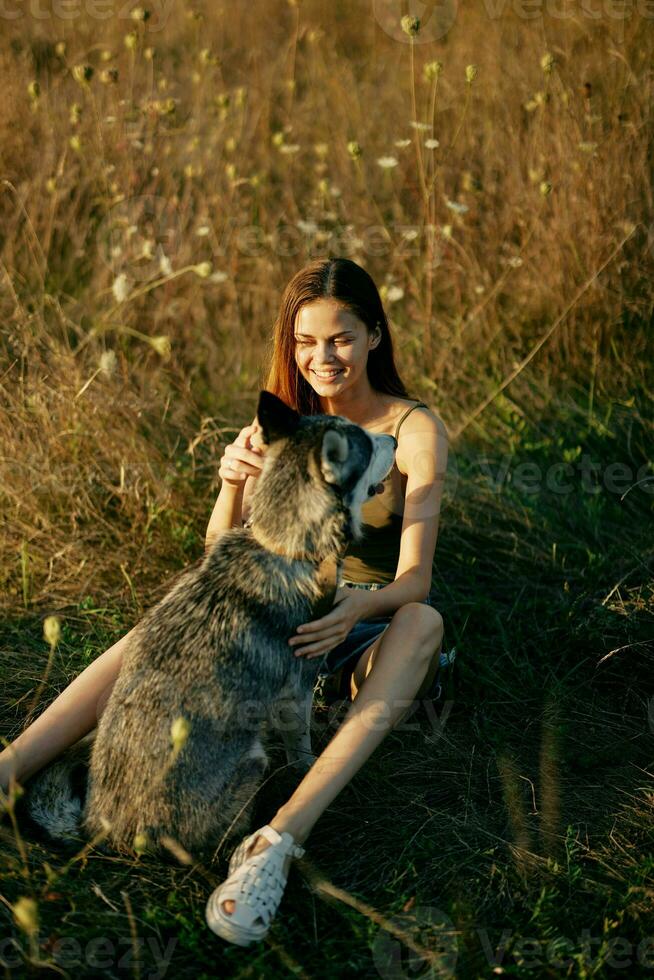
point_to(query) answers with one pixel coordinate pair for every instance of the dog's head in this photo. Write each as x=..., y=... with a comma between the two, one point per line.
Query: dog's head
x=318, y=468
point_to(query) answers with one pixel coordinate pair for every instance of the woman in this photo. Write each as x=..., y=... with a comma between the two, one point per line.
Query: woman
x=331, y=353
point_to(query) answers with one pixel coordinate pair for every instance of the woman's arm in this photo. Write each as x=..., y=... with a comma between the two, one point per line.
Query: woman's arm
x=232, y=508
x=225, y=514
x=70, y=716
x=422, y=455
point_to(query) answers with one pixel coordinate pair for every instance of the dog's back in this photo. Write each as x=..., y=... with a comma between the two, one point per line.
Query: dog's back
x=210, y=658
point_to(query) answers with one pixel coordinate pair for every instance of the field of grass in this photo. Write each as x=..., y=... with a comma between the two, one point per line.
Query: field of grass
x=163, y=173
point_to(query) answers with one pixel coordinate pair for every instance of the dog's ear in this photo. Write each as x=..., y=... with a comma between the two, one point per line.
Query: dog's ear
x=276, y=419
x=333, y=455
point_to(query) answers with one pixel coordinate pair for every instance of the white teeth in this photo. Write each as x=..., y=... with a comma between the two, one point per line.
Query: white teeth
x=329, y=374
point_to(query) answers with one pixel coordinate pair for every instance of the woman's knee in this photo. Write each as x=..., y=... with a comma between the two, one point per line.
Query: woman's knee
x=424, y=622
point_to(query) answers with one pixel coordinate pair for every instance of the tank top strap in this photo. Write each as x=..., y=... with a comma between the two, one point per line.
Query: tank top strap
x=408, y=411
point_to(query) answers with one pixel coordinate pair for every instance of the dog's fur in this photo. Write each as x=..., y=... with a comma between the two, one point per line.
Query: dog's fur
x=214, y=652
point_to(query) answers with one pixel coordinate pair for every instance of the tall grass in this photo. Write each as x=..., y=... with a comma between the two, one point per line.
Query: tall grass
x=151, y=211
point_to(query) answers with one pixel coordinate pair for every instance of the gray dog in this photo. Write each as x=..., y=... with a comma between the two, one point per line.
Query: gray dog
x=178, y=753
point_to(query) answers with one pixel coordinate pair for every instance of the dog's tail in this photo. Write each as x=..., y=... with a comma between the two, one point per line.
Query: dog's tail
x=55, y=797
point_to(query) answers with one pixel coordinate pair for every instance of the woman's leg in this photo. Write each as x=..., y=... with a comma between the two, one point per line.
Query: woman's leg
x=70, y=716
x=365, y=663
x=391, y=673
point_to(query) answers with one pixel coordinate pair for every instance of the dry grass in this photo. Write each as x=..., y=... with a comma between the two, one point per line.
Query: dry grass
x=149, y=220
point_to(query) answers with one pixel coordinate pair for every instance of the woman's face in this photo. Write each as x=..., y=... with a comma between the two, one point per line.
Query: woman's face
x=331, y=346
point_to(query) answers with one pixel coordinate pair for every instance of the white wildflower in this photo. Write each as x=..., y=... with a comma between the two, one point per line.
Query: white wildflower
x=307, y=227
x=456, y=207
x=108, y=363
x=394, y=294
x=431, y=144
x=387, y=163
x=120, y=288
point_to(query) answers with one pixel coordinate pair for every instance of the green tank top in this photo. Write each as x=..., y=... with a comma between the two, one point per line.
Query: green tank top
x=374, y=559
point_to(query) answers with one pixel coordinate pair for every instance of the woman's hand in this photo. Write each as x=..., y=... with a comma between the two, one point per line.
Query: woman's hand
x=243, y=457
x=322, y=635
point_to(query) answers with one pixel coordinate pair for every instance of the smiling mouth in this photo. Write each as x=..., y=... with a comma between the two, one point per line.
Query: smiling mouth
x=328, y=375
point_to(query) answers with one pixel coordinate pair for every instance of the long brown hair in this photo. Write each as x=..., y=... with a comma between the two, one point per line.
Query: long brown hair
x=348, y=283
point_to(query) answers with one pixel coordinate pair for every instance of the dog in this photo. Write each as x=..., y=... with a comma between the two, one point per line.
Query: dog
x=178, y=753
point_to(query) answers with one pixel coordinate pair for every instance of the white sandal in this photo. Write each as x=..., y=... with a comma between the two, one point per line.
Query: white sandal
x=240, y=852
x=256, y=884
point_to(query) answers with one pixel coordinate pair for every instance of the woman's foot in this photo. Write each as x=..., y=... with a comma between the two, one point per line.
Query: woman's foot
x=242, y=908
x=256, y=847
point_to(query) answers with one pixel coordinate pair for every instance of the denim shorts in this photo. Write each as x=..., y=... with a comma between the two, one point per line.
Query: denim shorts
x=359, y=638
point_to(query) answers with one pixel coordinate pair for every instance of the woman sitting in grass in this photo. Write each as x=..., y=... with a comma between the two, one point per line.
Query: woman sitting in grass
x=332, y=353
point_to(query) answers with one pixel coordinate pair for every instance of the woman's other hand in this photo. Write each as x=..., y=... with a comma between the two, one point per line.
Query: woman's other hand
x=321, y=635
x=243, y=457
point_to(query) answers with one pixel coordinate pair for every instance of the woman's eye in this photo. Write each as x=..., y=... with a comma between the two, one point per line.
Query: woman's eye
x=338, y=343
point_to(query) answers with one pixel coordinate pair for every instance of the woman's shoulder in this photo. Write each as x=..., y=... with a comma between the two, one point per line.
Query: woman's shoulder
x=404, y=415
x=418, y=426
x=413, y=412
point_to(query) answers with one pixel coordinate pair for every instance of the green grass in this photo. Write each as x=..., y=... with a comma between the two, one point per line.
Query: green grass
x=512, y=826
